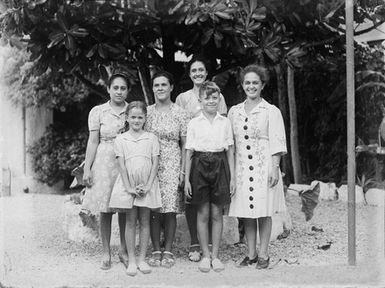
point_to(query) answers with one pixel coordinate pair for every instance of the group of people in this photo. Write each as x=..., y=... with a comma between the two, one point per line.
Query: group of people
x=187, y=157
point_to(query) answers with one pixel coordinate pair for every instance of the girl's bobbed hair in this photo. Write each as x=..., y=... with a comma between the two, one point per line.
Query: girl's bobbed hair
x=261, y=71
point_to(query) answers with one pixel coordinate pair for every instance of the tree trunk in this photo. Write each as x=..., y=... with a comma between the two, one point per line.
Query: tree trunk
x=282, y=103
x=144, y=83
x=295, y=158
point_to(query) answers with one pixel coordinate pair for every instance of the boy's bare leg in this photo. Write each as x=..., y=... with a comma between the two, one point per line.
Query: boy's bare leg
x=251, y=236
x=264, y=224
x=202, y=225
x=217, y=227
x=191, y=218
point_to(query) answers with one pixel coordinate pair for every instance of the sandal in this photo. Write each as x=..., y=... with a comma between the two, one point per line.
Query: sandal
x=106, y=265
x=155, y=259
x=205, y=265
x=144, y=268
x=263, y=263
x=194, y=254
x=217, y=265
x=168, y=259
x=248, y=262
x=123, y=259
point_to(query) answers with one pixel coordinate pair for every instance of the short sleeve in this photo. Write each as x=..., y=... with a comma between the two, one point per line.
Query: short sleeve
x=155, y=146
x=277, y=137
x=184, y=120
x=118, y=146
x=178, y=100
x=190, y=136
x=222, y=109
x=94, y=119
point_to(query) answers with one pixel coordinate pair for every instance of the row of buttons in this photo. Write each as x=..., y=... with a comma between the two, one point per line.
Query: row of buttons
x=251, y=179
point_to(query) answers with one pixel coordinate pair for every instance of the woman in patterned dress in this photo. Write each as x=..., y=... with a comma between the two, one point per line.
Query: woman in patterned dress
x=101, y=168
x=169, y=122
x=260, y=142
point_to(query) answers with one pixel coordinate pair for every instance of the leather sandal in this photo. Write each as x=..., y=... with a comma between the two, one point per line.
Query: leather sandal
x=155, y=259
x=168, y=259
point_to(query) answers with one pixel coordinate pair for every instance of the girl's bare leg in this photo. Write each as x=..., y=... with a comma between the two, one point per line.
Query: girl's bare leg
x=144, y=234
x=265, y=224
x=251, y=236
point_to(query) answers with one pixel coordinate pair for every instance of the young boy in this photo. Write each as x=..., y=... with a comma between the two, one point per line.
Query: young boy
x=209, y=171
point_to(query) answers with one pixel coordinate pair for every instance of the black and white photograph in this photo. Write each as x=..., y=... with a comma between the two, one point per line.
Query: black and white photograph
x=192, y=143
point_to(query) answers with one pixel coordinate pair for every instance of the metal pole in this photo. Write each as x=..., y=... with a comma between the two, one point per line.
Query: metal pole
x=350, y=132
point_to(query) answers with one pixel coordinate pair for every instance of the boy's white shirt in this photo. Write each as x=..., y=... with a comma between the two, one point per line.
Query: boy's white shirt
x=206, y=136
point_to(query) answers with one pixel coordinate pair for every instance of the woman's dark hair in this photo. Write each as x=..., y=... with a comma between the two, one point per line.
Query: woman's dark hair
x=261, y=71
x=119, y=73
x=137, y=104
x=197, y=58
x=162, y=73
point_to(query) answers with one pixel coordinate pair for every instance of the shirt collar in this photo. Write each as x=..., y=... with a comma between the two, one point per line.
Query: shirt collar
x=261, y=106
x=107, y=107
x=202, y=116
x=127, y=136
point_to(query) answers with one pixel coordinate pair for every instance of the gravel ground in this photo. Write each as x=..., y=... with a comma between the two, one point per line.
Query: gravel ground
x=37, y=253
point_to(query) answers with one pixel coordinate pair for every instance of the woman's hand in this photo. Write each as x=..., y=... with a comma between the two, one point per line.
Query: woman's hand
x=273, y=176
x=181, y=179
x=87, y=178
x=187, y=190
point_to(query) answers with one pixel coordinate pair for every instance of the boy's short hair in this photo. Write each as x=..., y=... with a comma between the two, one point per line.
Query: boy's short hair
x=208, y=88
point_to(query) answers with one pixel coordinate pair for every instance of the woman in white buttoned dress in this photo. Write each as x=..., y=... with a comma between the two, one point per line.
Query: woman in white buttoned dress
x=260, y=141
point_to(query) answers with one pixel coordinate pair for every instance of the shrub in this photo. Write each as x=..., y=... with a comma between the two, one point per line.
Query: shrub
x=58, y=152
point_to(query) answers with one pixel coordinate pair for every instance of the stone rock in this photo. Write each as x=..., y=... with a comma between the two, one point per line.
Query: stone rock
x=295, y=189
x=343, y=194
x=74, y=227
x=375, y=196
x=328, y=191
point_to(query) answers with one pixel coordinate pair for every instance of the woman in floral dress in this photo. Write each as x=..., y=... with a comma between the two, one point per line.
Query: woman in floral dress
x=169, y=122
x=260, y=141
x=101, y=168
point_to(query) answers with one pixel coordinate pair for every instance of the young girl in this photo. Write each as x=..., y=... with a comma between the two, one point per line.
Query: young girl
x=137, y=187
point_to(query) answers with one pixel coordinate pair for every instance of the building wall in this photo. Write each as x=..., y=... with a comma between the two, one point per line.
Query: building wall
x=15, y=136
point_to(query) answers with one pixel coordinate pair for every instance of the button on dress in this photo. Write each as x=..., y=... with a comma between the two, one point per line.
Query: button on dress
x=257, y=136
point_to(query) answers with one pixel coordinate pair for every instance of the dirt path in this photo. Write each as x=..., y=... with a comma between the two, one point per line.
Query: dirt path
x=35, y=252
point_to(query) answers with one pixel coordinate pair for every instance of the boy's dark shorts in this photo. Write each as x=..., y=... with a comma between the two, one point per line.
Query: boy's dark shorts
x=210, y=178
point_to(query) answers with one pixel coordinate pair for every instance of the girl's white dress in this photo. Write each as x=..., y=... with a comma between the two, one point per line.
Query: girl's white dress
x=257, y=136
x=137, y=155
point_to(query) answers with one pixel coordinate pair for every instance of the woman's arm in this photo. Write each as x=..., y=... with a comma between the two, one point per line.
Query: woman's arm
x=92, y=146
x=230, y=159
x=183, y=160
x=153, y=173
x=187, y=185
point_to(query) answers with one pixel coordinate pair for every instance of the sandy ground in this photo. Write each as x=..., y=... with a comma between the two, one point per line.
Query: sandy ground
x=35, y=252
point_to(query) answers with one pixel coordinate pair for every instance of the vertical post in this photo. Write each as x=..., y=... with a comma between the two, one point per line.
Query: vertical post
x=350, y=133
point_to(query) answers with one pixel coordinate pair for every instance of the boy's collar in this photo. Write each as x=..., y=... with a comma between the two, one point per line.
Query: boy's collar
x=203, y=116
